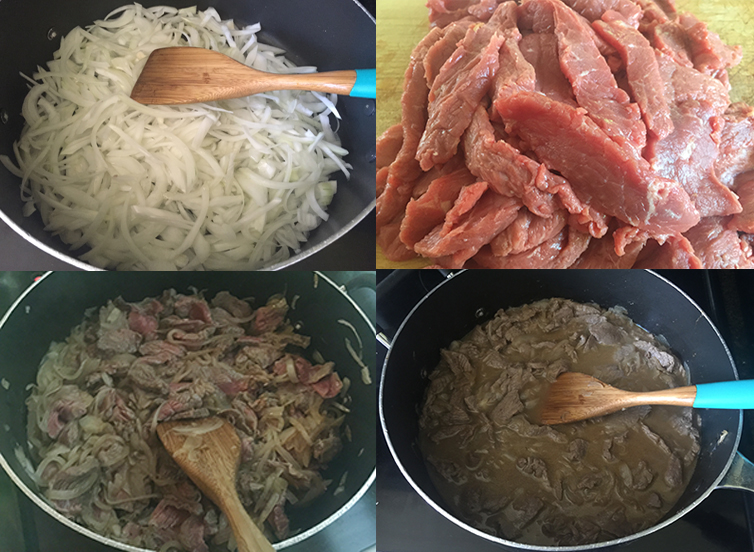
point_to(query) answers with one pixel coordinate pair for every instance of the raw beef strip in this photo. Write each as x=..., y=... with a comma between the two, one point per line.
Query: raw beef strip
x=405, y=169
x=389, y=241
x=490, y=215
x=466, y=200
x=382, y=179
x=613, y=179
x=736, y=150
x=688, y=154
x=744, y=221
x=507, y=171
x=708, y=53
x=463, y=81
x=443, y=48
x=676, y=252
x=592, y=80
x=388, y=146
x=527, y=232
x=602, y=254
x=643, y=73
x=427, y=212
x=593, y=10
x=442, y=13
x=541, y=51
x=560, y=251
x=715, y=246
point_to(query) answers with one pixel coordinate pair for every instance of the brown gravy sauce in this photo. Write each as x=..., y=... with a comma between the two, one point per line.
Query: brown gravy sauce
x=570, y=484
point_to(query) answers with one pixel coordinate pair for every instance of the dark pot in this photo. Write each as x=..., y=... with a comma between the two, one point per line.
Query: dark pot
x=331, y=34
x=52, y=306
x=469, y=298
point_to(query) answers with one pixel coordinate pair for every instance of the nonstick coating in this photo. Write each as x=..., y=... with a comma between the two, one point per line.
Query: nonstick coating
x=56, y=304
x=331, y=34
x=452, y=309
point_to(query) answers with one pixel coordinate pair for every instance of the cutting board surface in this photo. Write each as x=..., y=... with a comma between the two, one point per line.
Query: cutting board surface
x=401, y=24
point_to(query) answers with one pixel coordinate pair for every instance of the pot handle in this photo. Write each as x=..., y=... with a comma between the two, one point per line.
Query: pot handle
x=740, y=475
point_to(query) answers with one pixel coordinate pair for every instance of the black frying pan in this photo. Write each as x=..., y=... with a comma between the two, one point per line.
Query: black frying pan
x=471, y=297
x=50, y=308
x=331, y=34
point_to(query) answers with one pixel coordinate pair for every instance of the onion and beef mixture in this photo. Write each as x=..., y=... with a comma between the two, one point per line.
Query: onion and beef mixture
x=100, y=395
x=573, y=484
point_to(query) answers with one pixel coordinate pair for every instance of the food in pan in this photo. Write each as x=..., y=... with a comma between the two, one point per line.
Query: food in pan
x=568, y=133
x=100, y=394
x=573, y=484
x=225, y=185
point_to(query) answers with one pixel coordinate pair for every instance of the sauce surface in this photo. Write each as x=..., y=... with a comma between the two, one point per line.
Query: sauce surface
x=571, y=484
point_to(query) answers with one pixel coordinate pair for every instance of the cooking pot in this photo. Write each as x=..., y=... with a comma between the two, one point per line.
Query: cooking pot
x=469, y=298
x=330, y=34
x=52, y=306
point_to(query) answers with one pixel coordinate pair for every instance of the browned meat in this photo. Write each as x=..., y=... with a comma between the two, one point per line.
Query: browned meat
x=618, y=182
x=71, y=403
x=269, y=317
x=460, y=85
x=642, y=70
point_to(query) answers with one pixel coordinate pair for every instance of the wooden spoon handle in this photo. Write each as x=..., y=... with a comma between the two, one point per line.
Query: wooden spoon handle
x=678, y=396
x=332, y=82
x=249, y=537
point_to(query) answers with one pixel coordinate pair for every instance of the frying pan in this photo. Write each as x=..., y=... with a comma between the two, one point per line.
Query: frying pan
x=52, y=306
x=470, y=298
x=331, y=34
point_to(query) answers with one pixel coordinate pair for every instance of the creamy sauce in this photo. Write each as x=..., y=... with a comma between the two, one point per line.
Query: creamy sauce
x=578, y=483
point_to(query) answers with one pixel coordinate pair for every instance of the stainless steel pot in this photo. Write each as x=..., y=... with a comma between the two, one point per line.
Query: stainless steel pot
x=469, y=298
x=52, y=306
x=331, y=34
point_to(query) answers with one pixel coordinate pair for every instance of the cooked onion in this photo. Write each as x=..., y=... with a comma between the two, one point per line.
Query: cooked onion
x=234, y=184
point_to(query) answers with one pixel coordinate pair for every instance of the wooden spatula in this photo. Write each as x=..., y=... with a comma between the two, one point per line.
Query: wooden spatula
x=209, y=450
x=575, y=396
x=184, y=75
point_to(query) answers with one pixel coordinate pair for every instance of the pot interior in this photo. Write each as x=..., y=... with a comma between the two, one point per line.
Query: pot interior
x=335, y=34
x=470, y=298
x=56, y=304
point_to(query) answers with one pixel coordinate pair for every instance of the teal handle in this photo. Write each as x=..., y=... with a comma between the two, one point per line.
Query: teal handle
x=365, y=85
x=726, y=394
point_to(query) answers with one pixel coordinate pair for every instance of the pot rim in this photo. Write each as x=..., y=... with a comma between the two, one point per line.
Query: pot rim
x=47, y=508
x=542, y=548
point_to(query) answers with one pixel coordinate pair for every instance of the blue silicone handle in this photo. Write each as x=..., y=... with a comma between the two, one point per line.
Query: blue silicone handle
x=726, y=394
x=365, y=85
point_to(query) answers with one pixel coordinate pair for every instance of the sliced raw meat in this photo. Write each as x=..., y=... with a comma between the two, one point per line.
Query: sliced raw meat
x=491, y=214
x=388, y=239
x=676, y=252
x=466, y=200
x=736, y=150
x=601, y=254
x=708, y=53
x=560, y=251
x=381, y=177
x=527, y=232
x=462, y=82
x=642, y=71
x=405, y=169
x=612, y=179
x=593, y=10
x=388, y=145
x=541, y=51
x=592, y=80
x=443, y=13
x=744, y=221
x=507, y=171
x=441, y=50
x=715, y=246
x=514, y=72
x=427, y=212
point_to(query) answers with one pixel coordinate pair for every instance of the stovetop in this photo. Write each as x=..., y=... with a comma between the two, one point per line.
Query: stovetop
x=25, y=528
x=724, y=522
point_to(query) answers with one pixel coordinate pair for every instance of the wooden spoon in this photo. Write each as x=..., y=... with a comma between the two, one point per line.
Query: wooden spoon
x=209, y=451
x=575, y=396
x=184, y=75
